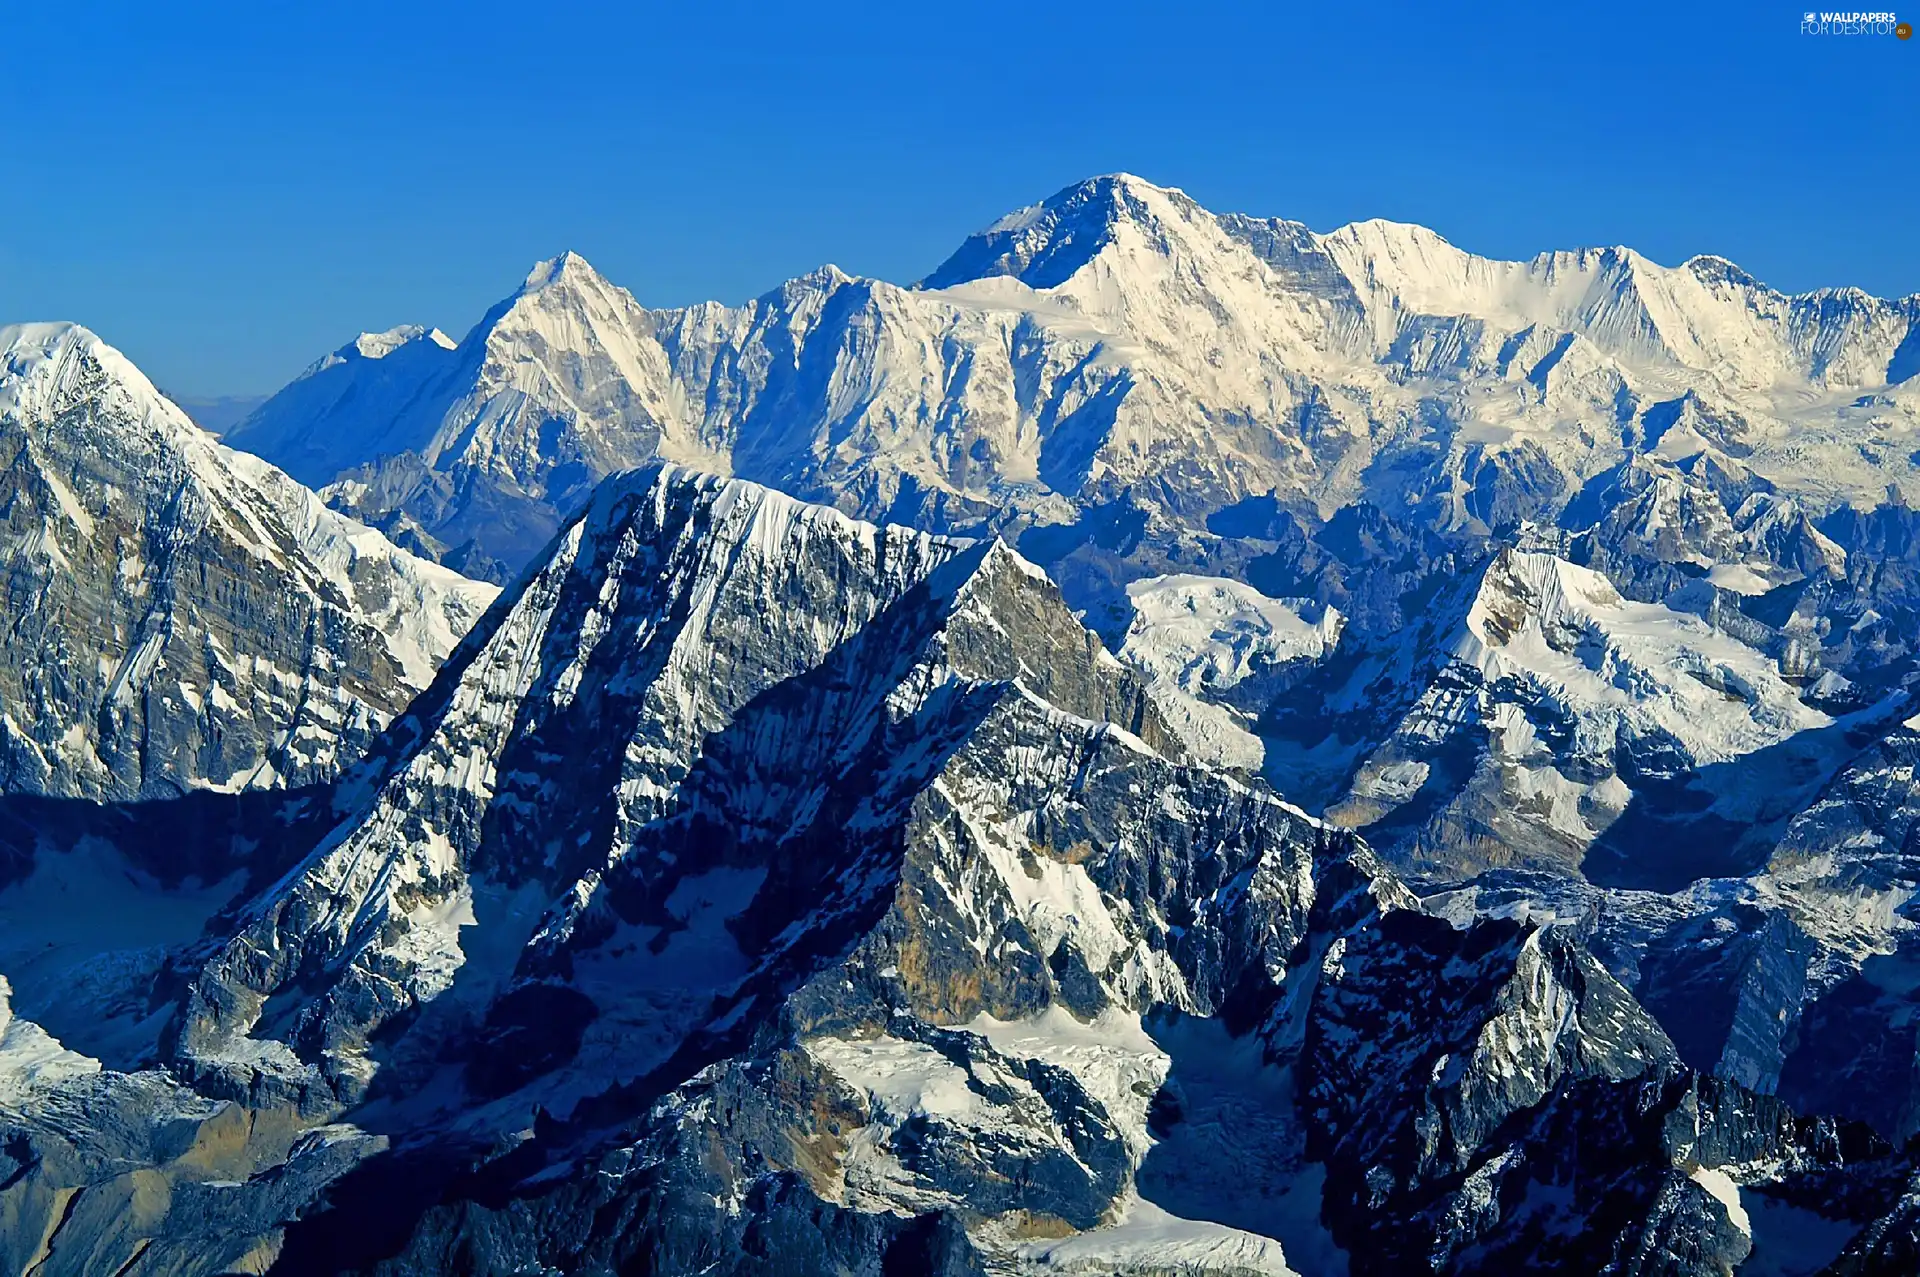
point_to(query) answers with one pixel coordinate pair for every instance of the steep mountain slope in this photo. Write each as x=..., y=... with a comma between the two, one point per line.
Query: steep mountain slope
x=1222, y=637
x=1134, y=389
x=180, y=614
x=759, y=889
x=1542, y=719
x=993, y=968
x=1791, y=977
x=1824, y=1012
x=1622, y=556
x=762, y=891
x=651, y=628
x=342, y=409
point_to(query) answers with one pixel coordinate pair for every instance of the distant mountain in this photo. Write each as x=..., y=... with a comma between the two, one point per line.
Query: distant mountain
x=1115, y=342
x=335, y=414
x=183, y=615
x=1130, y=387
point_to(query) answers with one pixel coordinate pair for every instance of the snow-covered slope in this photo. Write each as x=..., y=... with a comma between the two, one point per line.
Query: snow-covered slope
x=1209, y=634
x=345, y=407
x=892, y=901
x=181, y=614
x=1550, y=721
x=1643, y=669
x=650, y=625
x=1135, y=390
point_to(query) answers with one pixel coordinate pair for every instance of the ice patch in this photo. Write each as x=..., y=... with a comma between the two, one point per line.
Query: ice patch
x=1724, y=1191
x=1145, y=1238
x=31, y=1059
x=1112, y=1057
x=1205, y=633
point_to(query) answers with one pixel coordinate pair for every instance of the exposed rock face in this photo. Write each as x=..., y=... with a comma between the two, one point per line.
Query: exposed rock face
x=1832, y=1015
x=763, y=662
x=758, y=890
x=761, y=891
x=1554, y=723
x=180, y=614
x=117, y=1173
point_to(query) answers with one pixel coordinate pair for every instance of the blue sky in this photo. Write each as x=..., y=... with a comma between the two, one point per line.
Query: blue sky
x=228, y=192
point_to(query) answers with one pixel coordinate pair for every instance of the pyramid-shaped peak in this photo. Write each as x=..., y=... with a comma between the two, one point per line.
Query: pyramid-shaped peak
x=1107, y=190
x=1711, y=268
x=412, y=338
x=1043, y=244
x=568, y=267
x=1115, y=185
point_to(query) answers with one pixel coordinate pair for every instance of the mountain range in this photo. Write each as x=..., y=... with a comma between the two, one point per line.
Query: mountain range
x=1174, y=744
x=1119, y=342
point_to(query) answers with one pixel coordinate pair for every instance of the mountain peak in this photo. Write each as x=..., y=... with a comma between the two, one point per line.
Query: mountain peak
x=1043, y=244
x=41, y=362
x=31, y=352
x=1118, y=187
x=44, y=334
x=568, y=267
x=1107, y=187
x=124, y=496
x=1711, y=268
x=1384, y=230
x=684, y=598
x=1385, y=250
x=380, y=345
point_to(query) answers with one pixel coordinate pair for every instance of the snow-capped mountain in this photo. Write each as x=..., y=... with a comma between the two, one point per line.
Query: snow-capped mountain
x=1136, y=390
x=342, y=409
x=759, y=889
x=1551, y=721
x=885, y=928
x=1211, y=635
x=1118, y=338
x=639, y=652
x=181, y=614
x=1785, y=977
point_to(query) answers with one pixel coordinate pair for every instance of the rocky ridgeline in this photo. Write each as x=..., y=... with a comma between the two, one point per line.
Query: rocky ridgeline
x=1215, y=432
x=1109, y=370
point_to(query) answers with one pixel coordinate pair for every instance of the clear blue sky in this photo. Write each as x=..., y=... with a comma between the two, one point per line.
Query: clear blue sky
x=226, y=193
